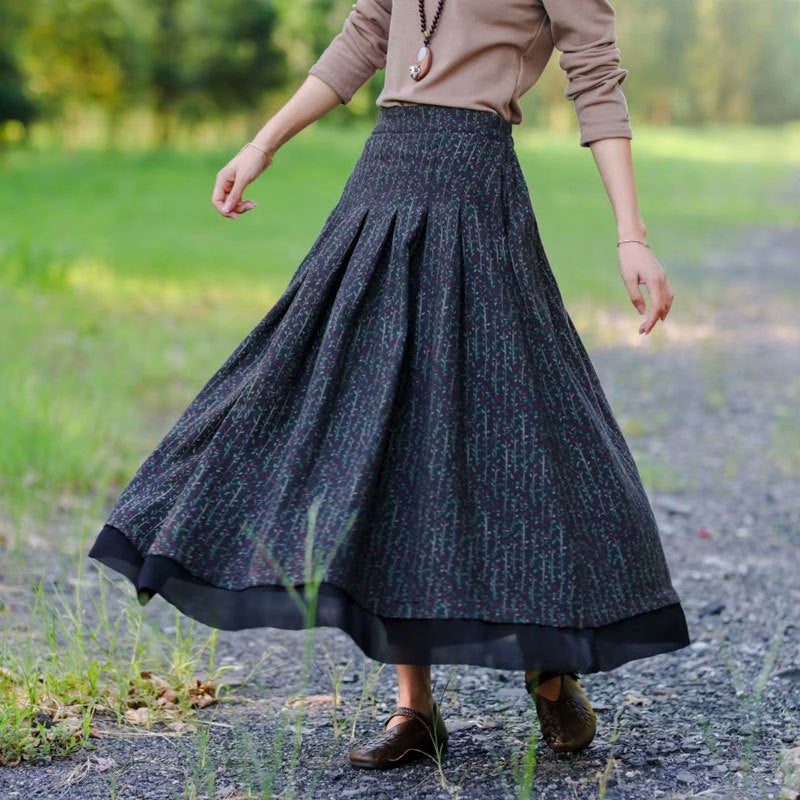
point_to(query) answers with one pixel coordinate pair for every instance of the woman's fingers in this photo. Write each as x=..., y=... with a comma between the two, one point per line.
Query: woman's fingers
x=222, y=186
x=227, y=194
x=659, y=303
x=227, y=197
x=235, y=194
x=231, y=182
x=221, y=195
x=242, y=207
x=632, y=285
x=670, y=298
x=643, y=269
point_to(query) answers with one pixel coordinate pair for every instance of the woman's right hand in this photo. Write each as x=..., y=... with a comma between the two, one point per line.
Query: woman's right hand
x=313, y=99
x=234, y=177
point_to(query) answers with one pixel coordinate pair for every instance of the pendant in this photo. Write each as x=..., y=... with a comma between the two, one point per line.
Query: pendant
x=421, y=64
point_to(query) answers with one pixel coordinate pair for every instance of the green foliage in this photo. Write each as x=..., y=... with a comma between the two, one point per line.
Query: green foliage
x=696, y=61
x=16, y=103
x=83, y=52
x=211, y=56
x=125, y=289
x=192, y=61
x=232, y=59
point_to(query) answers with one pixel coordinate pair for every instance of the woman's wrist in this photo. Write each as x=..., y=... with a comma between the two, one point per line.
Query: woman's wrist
x=266, y=144
x=265, y=154
x=632, y=230
x=268, y=139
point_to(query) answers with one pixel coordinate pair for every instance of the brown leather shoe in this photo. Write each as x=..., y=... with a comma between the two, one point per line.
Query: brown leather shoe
x=420, y=735
x=568, y=723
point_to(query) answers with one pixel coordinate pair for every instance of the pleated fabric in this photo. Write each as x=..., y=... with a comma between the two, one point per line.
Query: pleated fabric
x=413, y=438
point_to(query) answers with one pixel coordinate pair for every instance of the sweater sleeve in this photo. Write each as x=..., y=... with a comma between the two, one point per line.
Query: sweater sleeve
x=584, y=32
x=358, y=50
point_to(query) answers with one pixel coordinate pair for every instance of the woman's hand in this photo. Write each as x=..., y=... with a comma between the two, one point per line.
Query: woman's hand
x=312, y=100
x=234, y=177
x=638, y=265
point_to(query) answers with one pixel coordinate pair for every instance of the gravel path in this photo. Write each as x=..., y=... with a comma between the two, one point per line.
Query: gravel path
x=710, y=410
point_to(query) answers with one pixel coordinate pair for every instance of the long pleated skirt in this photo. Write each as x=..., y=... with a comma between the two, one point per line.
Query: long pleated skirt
x=412, y=445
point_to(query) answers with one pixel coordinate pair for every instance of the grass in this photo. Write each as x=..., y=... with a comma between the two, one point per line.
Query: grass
x=786, y=433
x=523, y=768
x=123, y=290
x=62, y=681
x=697, y=190
x=750, y=696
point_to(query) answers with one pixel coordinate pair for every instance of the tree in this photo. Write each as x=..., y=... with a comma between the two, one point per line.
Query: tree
x=16, y=103
x=212, y=56
x=233, y=59
x=167, y=78
x=84, y=52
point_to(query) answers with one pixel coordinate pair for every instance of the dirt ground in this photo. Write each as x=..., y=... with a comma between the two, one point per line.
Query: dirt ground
x=710, y=407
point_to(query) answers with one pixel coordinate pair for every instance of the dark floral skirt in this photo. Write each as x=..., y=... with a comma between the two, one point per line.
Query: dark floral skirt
x=412, y=445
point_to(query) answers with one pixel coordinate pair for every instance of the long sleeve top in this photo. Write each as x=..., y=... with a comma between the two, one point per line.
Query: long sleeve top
x=485, y=54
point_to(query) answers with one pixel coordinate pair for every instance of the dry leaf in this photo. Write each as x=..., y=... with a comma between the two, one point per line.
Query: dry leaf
x=311, y=700
x=147, y=675
x=637, y=699
x=167, y=696
x=202, y=694
x=179, y=726
x=138, y=716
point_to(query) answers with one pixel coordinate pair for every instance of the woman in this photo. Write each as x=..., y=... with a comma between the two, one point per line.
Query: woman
x=418, y=400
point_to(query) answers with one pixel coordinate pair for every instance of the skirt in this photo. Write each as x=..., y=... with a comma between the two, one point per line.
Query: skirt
x=412, y=446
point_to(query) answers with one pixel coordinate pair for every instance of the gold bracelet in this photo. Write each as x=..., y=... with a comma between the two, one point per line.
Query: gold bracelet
x=267, y=155
x=638, y=241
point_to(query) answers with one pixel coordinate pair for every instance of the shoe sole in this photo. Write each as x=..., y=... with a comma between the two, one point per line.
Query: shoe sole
x=570, y=749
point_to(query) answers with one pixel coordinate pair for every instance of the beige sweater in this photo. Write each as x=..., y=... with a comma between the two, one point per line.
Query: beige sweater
x=486, y=54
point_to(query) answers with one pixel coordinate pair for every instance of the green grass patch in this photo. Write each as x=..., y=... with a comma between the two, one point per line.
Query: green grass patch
x=698, y=190
x=63, y=680
x=123, y=290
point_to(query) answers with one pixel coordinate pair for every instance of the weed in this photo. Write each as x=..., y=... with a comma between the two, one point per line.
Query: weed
x=61, y=679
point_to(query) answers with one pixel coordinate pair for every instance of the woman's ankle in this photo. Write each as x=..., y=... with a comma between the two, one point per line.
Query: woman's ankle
x=549, y=688
x=418, y=699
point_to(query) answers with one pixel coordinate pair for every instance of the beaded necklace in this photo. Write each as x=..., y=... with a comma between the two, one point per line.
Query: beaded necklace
x=422, y=63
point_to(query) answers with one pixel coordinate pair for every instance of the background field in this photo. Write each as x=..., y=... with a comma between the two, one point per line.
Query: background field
x=123, y=290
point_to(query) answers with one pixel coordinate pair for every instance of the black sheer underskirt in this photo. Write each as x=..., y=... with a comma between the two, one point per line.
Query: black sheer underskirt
x=513, y=646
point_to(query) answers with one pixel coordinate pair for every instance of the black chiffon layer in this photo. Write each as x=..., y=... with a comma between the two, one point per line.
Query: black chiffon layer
x=390, y=640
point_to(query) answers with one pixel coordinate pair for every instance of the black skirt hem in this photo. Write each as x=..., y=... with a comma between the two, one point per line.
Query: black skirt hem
x=392, y=640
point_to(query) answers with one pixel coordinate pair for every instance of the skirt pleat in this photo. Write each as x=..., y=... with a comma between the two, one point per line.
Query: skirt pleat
x=413, y=437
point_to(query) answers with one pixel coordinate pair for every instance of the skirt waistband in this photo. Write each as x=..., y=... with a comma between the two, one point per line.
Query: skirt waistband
x=416, y=117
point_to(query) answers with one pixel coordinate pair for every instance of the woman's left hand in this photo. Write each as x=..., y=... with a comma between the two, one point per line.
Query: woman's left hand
x=638, y=265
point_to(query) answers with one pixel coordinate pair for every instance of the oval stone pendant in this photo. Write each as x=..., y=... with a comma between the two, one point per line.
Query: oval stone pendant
x=421, y=64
